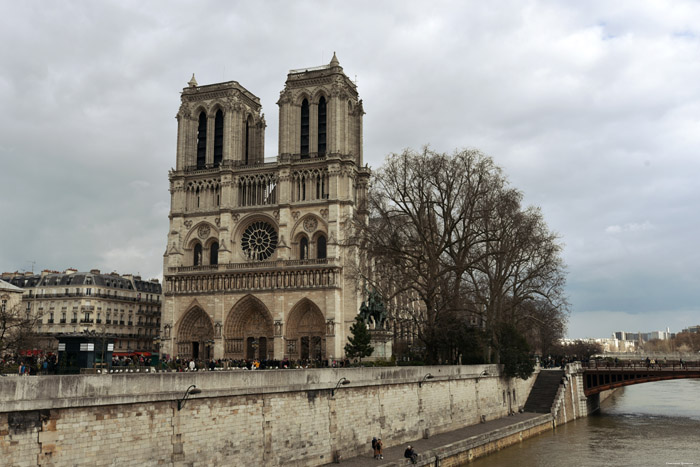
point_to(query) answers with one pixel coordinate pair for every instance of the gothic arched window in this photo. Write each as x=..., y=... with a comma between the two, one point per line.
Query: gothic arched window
x=247, y=141
x=321, y=247
x=218, y=138
x=304, y=248
x=197, y=255
x=202, y=141
x=305, y=129
x=214, y=253
x=322, y=126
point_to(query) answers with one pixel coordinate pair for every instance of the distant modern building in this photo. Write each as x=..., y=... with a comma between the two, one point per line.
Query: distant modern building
x=695, y=329
x=607, y=344
x=641, y=337
x=105, y=304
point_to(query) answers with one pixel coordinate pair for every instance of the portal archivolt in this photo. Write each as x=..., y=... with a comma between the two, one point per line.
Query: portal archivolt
x=248, y=331
x=306, y=332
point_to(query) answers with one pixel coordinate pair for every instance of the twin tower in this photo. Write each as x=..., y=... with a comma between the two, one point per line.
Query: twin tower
x=255, y=265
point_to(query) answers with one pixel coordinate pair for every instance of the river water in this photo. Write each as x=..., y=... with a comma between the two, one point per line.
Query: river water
x=649, y=424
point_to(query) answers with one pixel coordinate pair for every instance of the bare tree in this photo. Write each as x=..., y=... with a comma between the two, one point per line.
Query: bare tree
x=17, y=328
x=448, y=247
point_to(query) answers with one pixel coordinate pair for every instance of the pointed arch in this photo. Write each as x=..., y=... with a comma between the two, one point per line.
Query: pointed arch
x=321, y=248
x=218, y=137
x=306, y=332
x=321, y=130
x=304, y=130
x=303, y=247
x=248, y=330
x=197, y=254
x=202, y=140
x=214, y=253
x=194, y=330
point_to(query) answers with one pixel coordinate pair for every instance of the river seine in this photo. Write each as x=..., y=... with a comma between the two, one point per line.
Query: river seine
x=650, y=424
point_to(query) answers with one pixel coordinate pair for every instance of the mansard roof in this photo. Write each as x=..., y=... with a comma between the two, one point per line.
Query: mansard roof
x=57, y=279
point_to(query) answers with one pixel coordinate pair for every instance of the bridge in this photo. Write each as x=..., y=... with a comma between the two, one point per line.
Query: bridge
x=601, y=376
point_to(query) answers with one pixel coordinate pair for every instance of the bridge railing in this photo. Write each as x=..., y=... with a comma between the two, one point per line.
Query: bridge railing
x=641, y=365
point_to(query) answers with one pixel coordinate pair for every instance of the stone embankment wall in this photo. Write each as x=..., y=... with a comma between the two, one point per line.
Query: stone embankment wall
x=571, y=402
x=272, y=417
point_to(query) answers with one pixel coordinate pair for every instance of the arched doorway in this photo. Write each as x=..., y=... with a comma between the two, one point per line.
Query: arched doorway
x=306, y=332
x=248, y=331
x=195, y=335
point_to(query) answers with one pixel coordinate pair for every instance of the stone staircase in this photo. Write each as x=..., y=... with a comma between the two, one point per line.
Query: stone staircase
x=544, y=391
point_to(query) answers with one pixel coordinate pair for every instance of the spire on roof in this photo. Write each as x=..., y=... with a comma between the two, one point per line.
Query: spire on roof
x=334, y=60
x=193, y=82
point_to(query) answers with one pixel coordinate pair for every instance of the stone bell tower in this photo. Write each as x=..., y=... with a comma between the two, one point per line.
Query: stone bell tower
x=256, y=265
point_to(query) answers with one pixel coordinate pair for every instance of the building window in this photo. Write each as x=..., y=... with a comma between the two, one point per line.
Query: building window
x=198, y=254
x=321, y=247
x=218, y=138
x=304, y=248
x=214, y=253
x=202, y=141
x=88, y=291
x=305, y=128
x=322, y=126
x=3, y=307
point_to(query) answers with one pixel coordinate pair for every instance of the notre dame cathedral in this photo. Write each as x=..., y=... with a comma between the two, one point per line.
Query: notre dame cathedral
x=255, y=265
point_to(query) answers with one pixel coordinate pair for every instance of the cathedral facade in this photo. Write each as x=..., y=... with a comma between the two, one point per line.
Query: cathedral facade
x=256, y=264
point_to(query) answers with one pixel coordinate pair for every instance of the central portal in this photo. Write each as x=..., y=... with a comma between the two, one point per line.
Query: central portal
x=248, y=331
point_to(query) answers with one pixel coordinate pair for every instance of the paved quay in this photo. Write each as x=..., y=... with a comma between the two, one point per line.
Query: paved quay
x=393, y=455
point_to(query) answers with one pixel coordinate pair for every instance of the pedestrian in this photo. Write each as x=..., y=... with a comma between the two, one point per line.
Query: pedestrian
x=410, y=453
x=374, y=446
x=380, y=445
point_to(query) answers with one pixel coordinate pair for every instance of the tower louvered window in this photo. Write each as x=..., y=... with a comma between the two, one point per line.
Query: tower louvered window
x=218, y=138
x=202, y=141
x=305, y=129
x=322, y=126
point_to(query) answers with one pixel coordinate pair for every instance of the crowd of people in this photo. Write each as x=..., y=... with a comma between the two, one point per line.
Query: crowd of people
x=48, y=364
x=29, y=364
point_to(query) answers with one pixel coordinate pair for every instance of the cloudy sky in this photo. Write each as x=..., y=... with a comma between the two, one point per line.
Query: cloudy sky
x=592, y=109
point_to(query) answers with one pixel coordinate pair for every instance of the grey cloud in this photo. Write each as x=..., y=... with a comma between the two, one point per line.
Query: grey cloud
x=590, y=108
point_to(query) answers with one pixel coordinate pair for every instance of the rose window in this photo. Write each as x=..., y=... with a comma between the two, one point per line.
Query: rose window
x=259, y=241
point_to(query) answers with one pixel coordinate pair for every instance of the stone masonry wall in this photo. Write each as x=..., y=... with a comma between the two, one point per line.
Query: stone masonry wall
x=285, y=417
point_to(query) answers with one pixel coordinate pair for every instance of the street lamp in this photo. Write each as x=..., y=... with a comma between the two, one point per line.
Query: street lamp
x=343, y=381
x=192, y=390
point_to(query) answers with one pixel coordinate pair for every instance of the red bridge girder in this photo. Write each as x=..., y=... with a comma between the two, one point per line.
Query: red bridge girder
x=605, y=378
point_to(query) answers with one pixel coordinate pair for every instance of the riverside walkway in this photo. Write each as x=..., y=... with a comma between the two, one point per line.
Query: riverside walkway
x=450, y=443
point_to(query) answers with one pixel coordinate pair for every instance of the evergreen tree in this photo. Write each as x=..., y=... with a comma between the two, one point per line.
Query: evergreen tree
x=358, y=343
x=515, y=353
